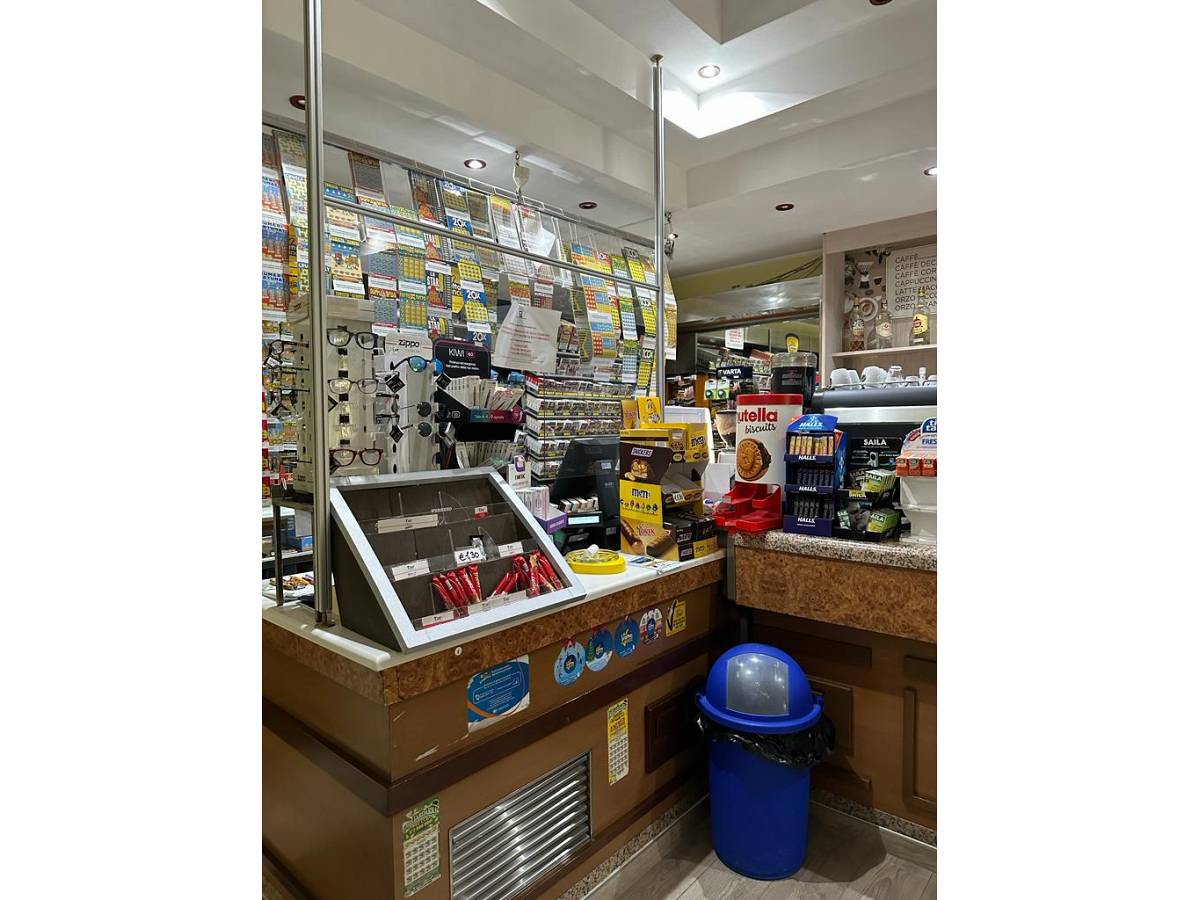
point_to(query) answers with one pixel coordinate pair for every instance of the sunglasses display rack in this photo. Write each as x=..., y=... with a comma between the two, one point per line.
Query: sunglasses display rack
x=280, y=418
x=420, y=560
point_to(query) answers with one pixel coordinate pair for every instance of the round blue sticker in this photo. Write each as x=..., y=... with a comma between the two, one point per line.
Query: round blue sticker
x=627, y=638
x=569, y=665
x=599, y=650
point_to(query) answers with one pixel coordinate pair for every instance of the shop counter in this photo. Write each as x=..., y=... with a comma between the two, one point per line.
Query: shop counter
x=861, y=619
x=886, y=588
x=375, y=761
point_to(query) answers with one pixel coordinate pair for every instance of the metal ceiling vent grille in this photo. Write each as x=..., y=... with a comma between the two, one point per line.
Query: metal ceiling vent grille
x=498, y=852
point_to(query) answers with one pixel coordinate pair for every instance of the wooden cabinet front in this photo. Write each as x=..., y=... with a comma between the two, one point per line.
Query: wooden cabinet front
x=881, y=693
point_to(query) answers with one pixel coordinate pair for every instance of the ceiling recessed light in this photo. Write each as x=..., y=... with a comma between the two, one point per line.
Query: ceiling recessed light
x=474, y=163
x=297, y=100
x=784, y=207
x=932, y=170
x=588, y=204
x=709, y=71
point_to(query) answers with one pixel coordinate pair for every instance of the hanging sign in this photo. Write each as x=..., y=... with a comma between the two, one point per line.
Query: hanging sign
x=528, y=339
x=626, y=639
x=651, y=626
x=569, y=665
x=599, y=649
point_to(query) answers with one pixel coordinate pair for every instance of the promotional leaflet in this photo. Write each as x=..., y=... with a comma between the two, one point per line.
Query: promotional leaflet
x=497, y=693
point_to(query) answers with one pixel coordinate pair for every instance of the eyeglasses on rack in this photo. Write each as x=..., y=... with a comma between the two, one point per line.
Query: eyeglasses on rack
x=366, y=385
x=341, y=336
x=339, y=457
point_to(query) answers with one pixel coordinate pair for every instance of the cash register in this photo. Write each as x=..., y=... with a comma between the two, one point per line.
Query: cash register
x=589, y=469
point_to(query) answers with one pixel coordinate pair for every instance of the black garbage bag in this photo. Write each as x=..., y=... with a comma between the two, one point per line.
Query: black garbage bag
x=800, y=750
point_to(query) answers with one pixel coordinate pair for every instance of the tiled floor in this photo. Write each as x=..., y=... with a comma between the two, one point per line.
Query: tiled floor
x=847, y=860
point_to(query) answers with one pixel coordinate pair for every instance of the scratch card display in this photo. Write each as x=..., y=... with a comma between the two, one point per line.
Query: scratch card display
x=633, y=261
x=274, y=244
x=367, y=178
x=425, y=198
x=272, y=198
x=410, y=238
x=345, y=269
x=274, y=292
x=270, y=158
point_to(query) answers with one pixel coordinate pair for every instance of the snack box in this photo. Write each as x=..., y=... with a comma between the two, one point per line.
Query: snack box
x=689, y=527
x=660, y=542
x=688, y=440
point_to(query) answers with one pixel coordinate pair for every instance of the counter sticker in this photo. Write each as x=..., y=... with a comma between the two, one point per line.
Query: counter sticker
x=651, y=627
x=421, y=864
x=627, y=638
x=599, y=648
x=569, y=665
x=618, y=741
x=497, y=692
x=676, y=616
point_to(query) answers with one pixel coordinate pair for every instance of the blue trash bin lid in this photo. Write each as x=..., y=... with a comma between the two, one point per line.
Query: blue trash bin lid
x=759, y=689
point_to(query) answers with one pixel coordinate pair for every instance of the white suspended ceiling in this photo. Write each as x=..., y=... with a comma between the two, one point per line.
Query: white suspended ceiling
x=826, y=104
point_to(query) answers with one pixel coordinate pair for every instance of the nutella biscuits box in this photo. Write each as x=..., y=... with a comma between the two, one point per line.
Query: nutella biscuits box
x=762, y=421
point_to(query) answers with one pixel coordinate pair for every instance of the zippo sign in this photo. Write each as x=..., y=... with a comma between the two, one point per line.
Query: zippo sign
x=460, y=358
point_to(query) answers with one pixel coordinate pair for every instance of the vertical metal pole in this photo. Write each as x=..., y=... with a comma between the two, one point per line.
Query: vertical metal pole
x=319, y=437
x=277, y=544
x=660, y=208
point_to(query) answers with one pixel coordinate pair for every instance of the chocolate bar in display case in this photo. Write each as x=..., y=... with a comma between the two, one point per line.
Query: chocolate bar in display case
x=425, y=558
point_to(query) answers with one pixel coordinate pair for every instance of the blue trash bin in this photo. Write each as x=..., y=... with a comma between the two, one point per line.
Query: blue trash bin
x=765, y=730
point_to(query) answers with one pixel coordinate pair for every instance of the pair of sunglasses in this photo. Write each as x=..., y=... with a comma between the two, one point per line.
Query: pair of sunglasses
x=418, y=364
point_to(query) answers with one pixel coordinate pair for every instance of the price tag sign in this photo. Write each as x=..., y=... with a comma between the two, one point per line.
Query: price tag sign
x=467, y=555
x=410, y=570
x=507, y=550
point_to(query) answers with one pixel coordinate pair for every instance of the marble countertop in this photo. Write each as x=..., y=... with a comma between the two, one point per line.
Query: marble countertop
x=298, y=619
x=922, y=557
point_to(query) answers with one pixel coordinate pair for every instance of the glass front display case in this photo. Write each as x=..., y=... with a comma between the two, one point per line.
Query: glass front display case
x=426, y=558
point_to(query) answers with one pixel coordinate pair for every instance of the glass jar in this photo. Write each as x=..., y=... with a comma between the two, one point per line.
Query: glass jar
x=794, y=373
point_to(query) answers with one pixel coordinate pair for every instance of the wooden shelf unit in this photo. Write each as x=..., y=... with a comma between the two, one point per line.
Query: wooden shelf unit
x=909, y=231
